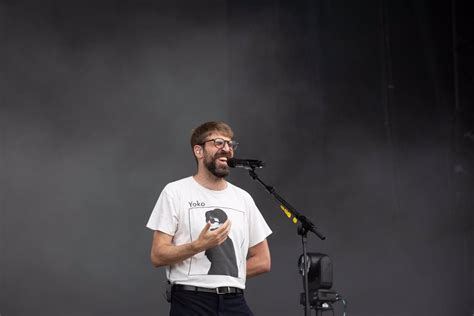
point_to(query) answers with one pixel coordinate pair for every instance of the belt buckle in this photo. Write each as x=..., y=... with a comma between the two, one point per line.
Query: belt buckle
x=225, y=290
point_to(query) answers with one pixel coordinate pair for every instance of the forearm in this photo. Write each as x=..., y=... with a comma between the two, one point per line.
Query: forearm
x=258, y=260
x=256, y=267
x=165, y=255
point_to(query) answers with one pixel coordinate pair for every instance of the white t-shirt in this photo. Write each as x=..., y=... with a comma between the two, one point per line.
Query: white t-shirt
x=182, y=210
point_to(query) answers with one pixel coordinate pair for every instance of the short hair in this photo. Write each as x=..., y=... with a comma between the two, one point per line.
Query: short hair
x=201, y=132
x=216, y=213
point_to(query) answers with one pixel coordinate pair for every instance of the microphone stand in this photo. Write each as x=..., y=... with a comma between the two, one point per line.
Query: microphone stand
x=304, y=226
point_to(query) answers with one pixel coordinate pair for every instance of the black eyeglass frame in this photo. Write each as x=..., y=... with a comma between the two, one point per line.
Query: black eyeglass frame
x=231, y=143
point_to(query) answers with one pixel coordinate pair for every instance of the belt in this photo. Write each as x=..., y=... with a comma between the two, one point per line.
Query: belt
x=217, y=290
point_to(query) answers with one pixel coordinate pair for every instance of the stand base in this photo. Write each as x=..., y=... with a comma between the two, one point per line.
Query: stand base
x=316, y=298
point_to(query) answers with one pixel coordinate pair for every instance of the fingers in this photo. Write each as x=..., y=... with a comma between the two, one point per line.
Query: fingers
x=227, y=227
x=212, y=238
x=224, y=226
x=206, y=227
x=223, y=232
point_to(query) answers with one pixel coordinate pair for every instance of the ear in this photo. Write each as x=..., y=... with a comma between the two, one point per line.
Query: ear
x=198, y=151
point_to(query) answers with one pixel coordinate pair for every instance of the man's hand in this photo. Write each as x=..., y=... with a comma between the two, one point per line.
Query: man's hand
x=211, y=238
x=163, y=252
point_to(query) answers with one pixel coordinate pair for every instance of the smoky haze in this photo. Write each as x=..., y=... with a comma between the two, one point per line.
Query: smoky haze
x=98, y=103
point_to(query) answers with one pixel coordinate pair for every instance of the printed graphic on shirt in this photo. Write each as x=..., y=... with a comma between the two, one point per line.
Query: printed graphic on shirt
x=226, y=258
x=222, y=257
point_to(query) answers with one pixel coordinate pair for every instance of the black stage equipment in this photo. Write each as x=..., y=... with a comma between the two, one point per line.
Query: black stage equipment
x=319, y=268
x=319, y=271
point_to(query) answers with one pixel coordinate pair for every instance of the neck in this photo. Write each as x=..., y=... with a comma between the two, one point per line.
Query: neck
x=210, y=181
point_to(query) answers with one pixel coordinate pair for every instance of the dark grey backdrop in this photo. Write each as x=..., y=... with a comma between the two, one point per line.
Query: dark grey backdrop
x=351, y=104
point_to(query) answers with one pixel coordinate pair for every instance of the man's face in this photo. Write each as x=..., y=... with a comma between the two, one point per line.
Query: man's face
x=215, y=159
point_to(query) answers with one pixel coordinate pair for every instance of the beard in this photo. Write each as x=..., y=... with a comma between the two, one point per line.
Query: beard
x=220, y=171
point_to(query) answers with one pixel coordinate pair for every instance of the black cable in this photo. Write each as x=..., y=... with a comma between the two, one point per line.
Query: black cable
x=332, y=309
x=387, y=94
x=454, y=44
x=340, y=298
x=345, y=306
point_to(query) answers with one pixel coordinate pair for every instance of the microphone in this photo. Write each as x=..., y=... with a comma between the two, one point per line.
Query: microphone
x=249, y=164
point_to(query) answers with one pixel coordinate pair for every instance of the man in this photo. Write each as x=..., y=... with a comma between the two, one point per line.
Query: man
x=208, y=232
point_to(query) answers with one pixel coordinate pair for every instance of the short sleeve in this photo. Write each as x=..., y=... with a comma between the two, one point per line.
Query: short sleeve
x=258, y=227
x=165, y=215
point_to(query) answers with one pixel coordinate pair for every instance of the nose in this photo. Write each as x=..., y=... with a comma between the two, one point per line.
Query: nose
x=227, y=146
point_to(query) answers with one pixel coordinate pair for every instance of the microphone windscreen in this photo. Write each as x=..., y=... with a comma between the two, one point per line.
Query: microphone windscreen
x=231, y=162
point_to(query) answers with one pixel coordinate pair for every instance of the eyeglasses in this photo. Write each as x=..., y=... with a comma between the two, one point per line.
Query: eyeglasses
x=220, y=143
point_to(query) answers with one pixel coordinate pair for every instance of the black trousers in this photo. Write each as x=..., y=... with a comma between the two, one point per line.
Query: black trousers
x=189, y=303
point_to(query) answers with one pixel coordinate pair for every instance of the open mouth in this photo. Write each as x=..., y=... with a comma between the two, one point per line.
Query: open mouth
x=222, y=160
